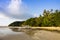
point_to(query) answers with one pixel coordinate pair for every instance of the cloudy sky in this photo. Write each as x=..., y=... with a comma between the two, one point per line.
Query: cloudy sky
x=19, y=10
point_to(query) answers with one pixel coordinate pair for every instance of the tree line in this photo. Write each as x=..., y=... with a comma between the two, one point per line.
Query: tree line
x=48, y=19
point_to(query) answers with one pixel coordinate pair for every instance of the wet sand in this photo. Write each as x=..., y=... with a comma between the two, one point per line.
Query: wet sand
x=8, y=34
x=46, y=35
x=21, y=36
x=38, y=35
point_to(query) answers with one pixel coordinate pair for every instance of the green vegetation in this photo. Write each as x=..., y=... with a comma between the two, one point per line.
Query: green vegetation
x=48, y=19
x=16, y=23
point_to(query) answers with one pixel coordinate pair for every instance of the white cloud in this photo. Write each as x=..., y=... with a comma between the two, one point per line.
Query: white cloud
x=17, y=9
x=4, y=20
x=2, y=16
x=14, y=7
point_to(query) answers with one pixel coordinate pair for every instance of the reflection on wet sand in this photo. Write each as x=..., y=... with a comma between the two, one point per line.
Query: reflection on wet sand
x=8, y=34
x=28, y=34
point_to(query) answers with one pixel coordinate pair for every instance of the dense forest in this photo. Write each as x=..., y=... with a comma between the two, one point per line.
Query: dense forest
x=48, y=19
x=16, y=23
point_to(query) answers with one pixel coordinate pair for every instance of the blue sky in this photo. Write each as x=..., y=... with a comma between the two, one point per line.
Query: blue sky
x=37, y=6
x=18, y=10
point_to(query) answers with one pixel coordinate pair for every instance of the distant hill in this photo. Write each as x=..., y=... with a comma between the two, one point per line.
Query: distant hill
x=16, y=23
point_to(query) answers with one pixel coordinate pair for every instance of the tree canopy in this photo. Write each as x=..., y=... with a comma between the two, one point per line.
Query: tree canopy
x=49, y=18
